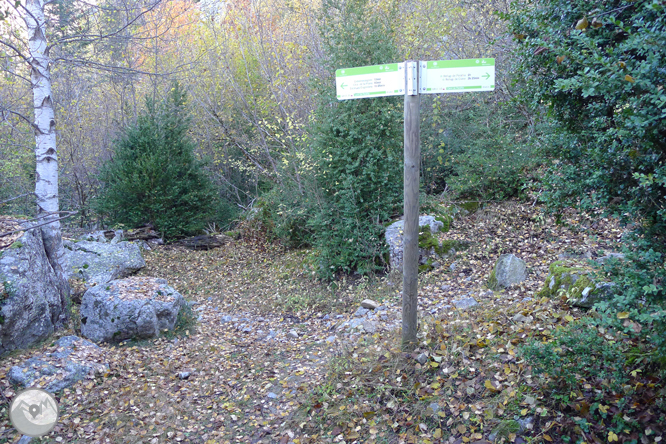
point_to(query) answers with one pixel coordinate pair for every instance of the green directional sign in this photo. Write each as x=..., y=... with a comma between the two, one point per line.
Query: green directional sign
x=370, y=81
x=451, y=76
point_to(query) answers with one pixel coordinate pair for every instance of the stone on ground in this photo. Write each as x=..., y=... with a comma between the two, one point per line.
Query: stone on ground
x=72, y=360
x=369, y=304
x=509, y=270
x=465, y=303
x=100, y=262
x=136, y=307
x=33, y=298
x=394, y=239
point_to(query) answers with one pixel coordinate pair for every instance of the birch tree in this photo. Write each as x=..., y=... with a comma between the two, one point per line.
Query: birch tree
x=28, y=46
x=32, y=13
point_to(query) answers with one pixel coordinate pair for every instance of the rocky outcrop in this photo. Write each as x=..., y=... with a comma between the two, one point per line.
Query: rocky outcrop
x=431, y=250
x=509, y=270
x=101, y=262
x=136, y=307
x=71, y=360
x=33, y=299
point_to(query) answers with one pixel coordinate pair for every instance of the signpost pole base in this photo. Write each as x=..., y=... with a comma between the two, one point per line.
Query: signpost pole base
x=411, y=189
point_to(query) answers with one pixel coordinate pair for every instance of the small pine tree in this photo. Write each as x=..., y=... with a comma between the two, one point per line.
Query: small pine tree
x=153, y=175
x=358, y=143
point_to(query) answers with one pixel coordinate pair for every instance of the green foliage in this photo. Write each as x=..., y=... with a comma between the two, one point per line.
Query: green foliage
x=476, y=146
x=153, y=176
x=600, y=73
x=357, y=144
x=577, y=352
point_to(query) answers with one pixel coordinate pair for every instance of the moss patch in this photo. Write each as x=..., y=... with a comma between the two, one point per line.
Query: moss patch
x=470, y=206
x=446, y=220
x=568, y=276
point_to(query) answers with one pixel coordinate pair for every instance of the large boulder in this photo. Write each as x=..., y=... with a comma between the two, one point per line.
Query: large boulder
x=575, y=280
x=97, y=263
x=70, y=360
x=33, y=298
x=509, y=270
x=136, y=307
x=431, y=250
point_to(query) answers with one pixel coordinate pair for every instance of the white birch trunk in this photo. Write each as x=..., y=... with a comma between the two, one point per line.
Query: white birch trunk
x=46, y=177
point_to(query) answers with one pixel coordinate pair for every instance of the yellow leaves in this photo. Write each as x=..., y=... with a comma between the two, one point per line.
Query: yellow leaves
x=624, y=314
x=628, y=78
x=560, y=59
x=437, y=434
x=612, y=437
x=622, y=65
x=490, y=386
x=569, y=318
x=603, y=408
x=582, y=24
x=596, y=23
x=548, y=438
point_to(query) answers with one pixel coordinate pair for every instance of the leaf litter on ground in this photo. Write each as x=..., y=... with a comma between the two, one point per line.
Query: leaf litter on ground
x=210, y=382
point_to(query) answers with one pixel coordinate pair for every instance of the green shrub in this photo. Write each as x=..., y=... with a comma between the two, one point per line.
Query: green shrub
x=577, y=355
x=600, y=72
x=476, y=147
x=154, y=177
x=357, y=144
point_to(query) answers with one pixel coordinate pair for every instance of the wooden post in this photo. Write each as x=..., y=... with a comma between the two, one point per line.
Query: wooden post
x=410, y=256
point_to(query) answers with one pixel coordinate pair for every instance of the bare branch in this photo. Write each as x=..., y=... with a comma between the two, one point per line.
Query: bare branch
x=70, y=214
x=17, y=197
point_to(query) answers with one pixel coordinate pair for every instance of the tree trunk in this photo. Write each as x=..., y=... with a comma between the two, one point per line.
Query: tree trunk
x=46, y=178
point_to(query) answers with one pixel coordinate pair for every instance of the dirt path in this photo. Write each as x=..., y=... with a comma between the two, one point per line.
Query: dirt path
x=219, y=383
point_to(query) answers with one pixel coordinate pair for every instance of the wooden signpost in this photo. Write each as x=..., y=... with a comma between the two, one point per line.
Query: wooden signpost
x=434, y=77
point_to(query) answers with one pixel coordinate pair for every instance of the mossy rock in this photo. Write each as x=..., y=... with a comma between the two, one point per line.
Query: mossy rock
x=574, y=280
x=446, y=220
x=471, y=206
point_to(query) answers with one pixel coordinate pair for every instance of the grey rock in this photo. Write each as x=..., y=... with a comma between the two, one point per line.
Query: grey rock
x=339, y=316
x=33, y=297
x=293, y=334
x=422, y=358
x=434, y=407
x=354, y=323
x=184, y=375
x=518, y=317
x=326, y=318
x=272, y=395
x=394, y=238
x=104, y=236
x=509, y=270
x=452, y=267
x=99, y=262
x=369, y=304
x=465, y=303
x=330, y=339
x=226, y=318
x=446, y=287
x=360, y=312
x=247, y=329
x=129, y=308
x=25, y=439
x=526, y=423
x=590, y=296
x=526, y=299
x=69, y=369
x=369, y=326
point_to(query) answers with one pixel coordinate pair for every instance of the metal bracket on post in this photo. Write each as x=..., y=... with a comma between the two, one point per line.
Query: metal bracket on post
x=412, y=80
x=422, y=83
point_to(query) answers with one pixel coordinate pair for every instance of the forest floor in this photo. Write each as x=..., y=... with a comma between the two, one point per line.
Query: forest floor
x=314, y=382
